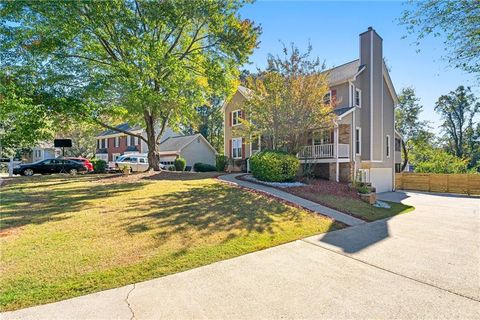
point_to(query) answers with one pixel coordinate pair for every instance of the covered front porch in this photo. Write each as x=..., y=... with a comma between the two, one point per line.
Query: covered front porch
x=330, y=153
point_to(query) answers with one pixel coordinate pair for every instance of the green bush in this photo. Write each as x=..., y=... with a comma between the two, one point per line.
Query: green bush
x=274, y=166
x=99, y=165
x=171, y=168
x=180, y=164
x=221, y=162
x=203, y=167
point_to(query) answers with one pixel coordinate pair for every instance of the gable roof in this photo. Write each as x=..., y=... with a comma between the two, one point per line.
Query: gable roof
x=176, y=144
x=343, y=111
x=124, y=126
x=344, y=72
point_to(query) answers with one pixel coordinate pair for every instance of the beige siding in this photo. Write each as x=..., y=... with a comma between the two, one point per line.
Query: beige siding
x=198, y=151
x=342, y=95
x=236, y=103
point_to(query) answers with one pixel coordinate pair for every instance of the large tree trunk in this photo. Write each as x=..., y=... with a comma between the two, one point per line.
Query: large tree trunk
x=153, y=147
x=405, y=155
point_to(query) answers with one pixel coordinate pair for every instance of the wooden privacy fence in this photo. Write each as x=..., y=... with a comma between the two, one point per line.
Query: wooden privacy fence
x=433, y=182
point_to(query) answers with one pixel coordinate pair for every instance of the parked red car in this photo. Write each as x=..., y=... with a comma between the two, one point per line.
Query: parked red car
x=83, y=161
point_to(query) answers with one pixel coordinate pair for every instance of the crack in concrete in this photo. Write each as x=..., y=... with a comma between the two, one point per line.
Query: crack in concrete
x=128, y=303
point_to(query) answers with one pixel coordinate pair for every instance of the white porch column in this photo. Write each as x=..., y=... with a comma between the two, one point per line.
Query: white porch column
x=337, y=165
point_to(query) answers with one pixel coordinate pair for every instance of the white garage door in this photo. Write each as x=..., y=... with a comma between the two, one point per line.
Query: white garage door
x=381, y=179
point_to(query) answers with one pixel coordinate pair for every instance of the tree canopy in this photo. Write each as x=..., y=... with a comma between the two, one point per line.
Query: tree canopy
x=460, y=112
x=287, y=101
x=24, y=120
x=458, y=22
x=148, y=62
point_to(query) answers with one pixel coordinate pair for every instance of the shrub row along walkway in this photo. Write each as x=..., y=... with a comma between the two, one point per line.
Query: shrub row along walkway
x=307, y=204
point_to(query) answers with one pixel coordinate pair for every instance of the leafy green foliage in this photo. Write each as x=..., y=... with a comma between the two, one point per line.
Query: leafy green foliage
x=142, y=61
x=23, y=120
x=204, y=167
x=208, y=121
x=221, y=162
x=407, y=115
x=435, y=160
x=180, y=164
x=99, y=165
x=287, y=101
x=457, y=22
x=407, y=122
x=459, y=111
x=274, y=166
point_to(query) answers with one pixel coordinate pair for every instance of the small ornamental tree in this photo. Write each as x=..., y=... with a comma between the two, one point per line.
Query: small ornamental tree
x=147, y=62
x=180, y=164
x=287, y=102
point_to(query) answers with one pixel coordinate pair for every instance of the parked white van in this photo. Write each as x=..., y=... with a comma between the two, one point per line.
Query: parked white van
x=136, y=162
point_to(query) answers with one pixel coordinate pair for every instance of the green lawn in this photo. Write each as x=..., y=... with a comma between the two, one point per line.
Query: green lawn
x=355, y=207
x=64, y=236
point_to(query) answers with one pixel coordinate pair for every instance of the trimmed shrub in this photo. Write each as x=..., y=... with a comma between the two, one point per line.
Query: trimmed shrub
x=204, y=167
x=171, y=168
x=274, y=166
x=99, y=165
x=180, y=164
x=221, y=162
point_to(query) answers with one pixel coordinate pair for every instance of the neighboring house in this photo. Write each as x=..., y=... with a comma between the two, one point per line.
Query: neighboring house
x=362, y=143
x=194, y=148
x=111, y=144
x=42, y=151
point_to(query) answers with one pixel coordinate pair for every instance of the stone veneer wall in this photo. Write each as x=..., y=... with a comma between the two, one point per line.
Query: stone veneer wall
x=344, y=132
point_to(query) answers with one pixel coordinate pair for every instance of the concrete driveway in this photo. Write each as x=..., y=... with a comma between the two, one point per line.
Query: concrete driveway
x=424, y=264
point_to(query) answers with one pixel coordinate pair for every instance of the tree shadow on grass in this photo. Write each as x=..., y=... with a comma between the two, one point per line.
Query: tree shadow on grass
x=23, y=204
x=209, y=210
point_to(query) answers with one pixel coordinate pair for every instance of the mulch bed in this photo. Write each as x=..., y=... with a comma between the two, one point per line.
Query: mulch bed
x=326, y=187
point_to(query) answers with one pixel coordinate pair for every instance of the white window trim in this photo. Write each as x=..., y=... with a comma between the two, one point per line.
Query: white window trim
x=238, y=112
x=359, y=138
x=330, y=100
x=359, y=98
x=388, y=147
x=136, y=141
x=239, y=154
x=117, y=141
x=128, y=141
x=351, y=94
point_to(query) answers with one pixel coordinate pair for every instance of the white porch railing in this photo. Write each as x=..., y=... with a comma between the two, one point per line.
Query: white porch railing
x=322, y=151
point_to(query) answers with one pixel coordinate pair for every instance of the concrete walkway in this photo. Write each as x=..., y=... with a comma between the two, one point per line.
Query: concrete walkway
x=420, y=265
x=307, y=204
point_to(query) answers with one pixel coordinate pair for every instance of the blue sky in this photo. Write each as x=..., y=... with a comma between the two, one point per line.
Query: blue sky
x=333, y=28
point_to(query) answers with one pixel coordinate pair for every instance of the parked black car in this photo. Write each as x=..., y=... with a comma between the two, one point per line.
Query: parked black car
x=50, y=166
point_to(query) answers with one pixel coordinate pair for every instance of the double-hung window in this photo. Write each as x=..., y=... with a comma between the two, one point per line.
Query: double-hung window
x=236, y=116
x=117, y=141
x=237, y=148
x=327, y=98
x=358, y=98
x=358, y=141
x=387, y=143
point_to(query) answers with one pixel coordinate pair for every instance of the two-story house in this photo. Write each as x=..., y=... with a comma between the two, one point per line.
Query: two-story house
x=362, y=143
x=112, y=144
